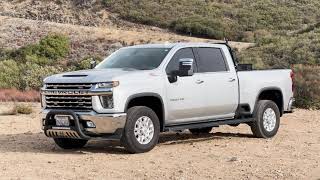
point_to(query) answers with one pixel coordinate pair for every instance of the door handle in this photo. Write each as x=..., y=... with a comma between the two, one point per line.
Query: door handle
x=232, y=79
x=199, y=81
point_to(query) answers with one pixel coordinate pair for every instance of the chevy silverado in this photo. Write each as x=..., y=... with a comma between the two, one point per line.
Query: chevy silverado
x=140, y=91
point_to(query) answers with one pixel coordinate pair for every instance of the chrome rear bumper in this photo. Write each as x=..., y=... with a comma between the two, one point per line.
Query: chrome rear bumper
x=104, y=123
x=290, y=105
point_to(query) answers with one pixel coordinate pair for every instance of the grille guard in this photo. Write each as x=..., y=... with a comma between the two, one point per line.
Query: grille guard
x=77, y=128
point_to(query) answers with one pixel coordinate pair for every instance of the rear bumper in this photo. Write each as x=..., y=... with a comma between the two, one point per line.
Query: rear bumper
x=290, y=106
x=105, y=125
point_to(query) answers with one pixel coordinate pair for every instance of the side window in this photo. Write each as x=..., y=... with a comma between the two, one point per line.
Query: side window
x=211, y=60
x=180, y=54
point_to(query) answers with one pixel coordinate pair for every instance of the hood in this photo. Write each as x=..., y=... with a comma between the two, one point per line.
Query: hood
x=87, y=76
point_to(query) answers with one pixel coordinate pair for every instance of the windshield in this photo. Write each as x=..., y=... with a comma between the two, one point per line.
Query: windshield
x=135, y=58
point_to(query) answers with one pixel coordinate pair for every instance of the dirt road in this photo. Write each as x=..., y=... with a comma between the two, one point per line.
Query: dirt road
x=227, y=153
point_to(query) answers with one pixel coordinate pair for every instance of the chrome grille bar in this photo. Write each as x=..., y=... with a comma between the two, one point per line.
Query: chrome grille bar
x=68, y=86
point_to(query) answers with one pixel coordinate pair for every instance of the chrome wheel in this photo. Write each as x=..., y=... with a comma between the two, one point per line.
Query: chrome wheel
x=269, y=119
x=144, y=130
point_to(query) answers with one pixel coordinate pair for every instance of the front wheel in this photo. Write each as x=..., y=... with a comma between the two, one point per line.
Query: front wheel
x=142, y=129
x=65, y=143
x=267, y=119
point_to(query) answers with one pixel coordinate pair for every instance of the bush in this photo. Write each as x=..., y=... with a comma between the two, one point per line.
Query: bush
x=86, y=63
x=54, y=46
x=198, y=26
x=33, y=75
x=26, y=67
x=50, y=49
x=24, y=109
x=307, y=81
x=9, y=74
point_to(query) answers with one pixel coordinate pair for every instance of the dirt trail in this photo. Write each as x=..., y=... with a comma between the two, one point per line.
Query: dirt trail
x=227, y=153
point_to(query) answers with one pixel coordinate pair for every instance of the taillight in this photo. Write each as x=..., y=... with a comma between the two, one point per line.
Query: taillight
x=292, y=80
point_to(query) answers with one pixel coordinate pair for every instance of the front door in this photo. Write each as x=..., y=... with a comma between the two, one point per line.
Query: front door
x=184, y=97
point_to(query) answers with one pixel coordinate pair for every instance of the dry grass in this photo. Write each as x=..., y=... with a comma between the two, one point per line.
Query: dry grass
x=14, y=108
x=19, y=96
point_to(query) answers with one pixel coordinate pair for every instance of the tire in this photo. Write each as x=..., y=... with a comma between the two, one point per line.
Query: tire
x=198, y=131
x=65, y=143
x=267, y=119
x=136, y=136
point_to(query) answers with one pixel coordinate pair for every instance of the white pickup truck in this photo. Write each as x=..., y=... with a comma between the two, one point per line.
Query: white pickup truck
x=140, y=91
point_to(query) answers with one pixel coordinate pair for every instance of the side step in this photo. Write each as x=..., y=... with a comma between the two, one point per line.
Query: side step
x=203, y=124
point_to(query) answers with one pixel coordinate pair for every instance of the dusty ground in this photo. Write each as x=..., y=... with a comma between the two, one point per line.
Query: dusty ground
x=227, y=153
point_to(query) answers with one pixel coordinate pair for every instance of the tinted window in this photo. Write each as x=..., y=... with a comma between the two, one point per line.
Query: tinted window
x=211, y=60
x=135, y=58
x=180, y=54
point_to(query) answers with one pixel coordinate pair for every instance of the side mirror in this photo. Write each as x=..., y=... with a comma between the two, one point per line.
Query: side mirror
x=185, y=67
x=93, y=63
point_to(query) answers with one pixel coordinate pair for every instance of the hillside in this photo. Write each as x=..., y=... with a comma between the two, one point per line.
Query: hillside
x=283, y=32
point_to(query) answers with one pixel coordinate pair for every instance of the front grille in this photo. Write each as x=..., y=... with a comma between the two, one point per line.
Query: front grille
x=68, y=102
x=68, y=86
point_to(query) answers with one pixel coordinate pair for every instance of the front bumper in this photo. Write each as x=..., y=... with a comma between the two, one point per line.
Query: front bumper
x=106, y=125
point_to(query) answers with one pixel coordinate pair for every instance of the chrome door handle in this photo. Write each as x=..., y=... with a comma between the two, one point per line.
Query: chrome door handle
x=231, y=79
x=199, y=81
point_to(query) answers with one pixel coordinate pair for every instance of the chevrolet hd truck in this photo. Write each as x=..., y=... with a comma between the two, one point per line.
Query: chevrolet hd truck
x=140, y=91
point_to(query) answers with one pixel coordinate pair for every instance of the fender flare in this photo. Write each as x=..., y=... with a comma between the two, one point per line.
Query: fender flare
x=148, y=94
x=272, y=88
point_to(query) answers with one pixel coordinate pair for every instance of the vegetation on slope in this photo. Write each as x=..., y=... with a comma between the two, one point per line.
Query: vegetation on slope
x=236, y=19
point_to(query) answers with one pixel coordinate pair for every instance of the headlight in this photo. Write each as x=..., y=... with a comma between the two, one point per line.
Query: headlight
x=108, y=84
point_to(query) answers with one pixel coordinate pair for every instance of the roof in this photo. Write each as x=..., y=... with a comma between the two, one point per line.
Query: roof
x=171, y=45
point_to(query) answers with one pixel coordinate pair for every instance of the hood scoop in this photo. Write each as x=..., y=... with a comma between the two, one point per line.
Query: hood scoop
x=75, y=75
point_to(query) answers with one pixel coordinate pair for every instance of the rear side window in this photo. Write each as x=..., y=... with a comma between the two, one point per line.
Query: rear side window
x=180, y=54
x=211, y=60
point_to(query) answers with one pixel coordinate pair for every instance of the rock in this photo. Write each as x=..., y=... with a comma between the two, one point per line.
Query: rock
x=233, y=159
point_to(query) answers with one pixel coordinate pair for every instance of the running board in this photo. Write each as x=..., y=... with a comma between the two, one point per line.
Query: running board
x=206, y=124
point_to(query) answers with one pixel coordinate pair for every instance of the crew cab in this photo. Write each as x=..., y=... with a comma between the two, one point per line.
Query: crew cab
x=140, y=91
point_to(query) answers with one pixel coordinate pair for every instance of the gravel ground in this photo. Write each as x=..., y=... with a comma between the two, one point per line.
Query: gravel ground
x=227, y=153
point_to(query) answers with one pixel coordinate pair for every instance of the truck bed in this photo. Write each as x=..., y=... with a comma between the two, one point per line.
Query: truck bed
x=253, y=82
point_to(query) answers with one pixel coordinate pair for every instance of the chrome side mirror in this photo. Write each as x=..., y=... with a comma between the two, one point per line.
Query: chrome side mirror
x=185, y=67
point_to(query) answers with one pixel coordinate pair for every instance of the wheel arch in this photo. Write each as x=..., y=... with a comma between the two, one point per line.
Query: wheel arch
x=271, y=93
x=147, y=99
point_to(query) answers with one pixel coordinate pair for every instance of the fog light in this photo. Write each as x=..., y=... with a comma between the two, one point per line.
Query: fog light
x=90, y=124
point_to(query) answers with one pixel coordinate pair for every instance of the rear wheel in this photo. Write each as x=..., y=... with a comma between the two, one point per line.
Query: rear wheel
x=267, y=119
x=65, y=143
x=197, y=131
x=142, y=129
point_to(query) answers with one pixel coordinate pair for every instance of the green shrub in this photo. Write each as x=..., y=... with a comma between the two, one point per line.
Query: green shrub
x=25, y=68
x=54, y=46
x=48, y=51
x=86, y=63
x=198, y=26
x=33, y=75
x=235, y=17
x=9, y=74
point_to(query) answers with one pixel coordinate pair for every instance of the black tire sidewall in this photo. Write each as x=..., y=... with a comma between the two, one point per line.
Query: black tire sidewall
x=262, y=108
x=129, y=139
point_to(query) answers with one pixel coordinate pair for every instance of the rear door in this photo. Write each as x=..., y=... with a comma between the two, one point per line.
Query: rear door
x=220, y=84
